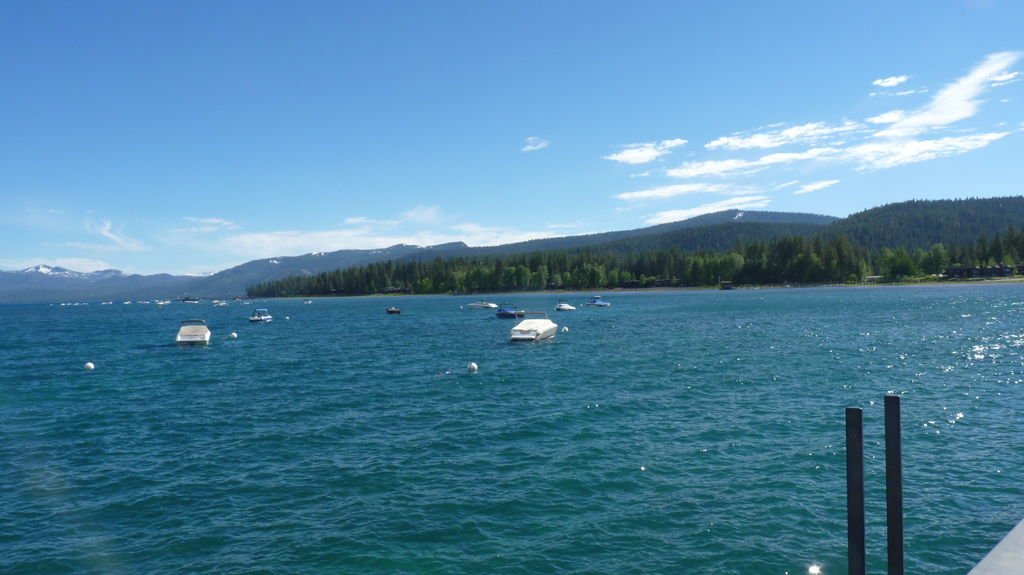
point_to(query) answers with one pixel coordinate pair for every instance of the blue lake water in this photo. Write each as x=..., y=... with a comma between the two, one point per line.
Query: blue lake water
x=674, y=432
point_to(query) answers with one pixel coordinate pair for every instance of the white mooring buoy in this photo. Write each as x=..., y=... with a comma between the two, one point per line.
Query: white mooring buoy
x=565, y=329
x=472, y=367
x=89, y=366
x=233, y=335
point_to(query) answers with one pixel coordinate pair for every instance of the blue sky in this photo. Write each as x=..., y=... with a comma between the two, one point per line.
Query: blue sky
x=188, y=137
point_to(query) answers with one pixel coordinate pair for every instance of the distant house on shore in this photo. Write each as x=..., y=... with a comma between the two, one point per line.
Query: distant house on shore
x=968, y=272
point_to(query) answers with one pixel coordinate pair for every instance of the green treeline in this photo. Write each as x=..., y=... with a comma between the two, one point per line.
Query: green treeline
x=795, y=259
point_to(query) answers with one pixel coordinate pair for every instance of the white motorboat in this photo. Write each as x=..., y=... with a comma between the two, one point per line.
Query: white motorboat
x=596, y=301
x=562, y=305
x=261, y=315
x=193, y=332
x=534, y=328
x=481, y=304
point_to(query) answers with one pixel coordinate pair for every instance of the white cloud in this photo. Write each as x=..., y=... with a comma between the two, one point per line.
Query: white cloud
x=891, y=81
x=804, y=133
x=363, y=220
x=121, y=241
x=909, y=92
x=423, y=215
x=887, y=117
x=738, y=203
x=478, y=235
x=533, y=143
x=255, y=245
x=731, y=167
x=673, y=191
x=645, y=152
x=815, y=186
x=881, y=155
x=1005, y=78
x=785, y=185
x=105, y=229
x=955, y=102
x=208, y=225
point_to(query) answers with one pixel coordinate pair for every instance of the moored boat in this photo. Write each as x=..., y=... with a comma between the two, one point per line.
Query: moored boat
x=596, y=301
x=481, y=304
x=393, y=311
x=508, y=311
x=193, y=332
x=261, y=315
x=563, y=305
x=533, y=328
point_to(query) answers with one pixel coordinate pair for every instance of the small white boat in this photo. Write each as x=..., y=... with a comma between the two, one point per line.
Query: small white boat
x=562, y=305
x=481, y=304
x=193, y=332
x=596, y=301
x=261, y=315
x=534, y=328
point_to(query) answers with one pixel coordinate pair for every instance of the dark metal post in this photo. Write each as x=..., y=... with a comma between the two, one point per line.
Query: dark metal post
x=855, y=490
x=894, y=484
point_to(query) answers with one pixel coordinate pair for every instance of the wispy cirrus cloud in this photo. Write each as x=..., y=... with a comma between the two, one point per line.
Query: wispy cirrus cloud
x=801, y=134
x=887, y=117
x=909, y=92
x=886, y=154
x=645, y=152
x=737, y=203
x=423, y=215
x=1005, y=78
x=256, y=245
x=957, y=101
x=891, y=81
x=785, y=185
x=116, y=239
x=732, y=167
x=902, y=139
x=867, y=156
x=534, y=143
x=672, y=191
x=207, y=225
x=421, y=225
x=815, y=186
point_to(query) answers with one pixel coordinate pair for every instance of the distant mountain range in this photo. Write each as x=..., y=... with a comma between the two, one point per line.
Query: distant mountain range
x=907, y=224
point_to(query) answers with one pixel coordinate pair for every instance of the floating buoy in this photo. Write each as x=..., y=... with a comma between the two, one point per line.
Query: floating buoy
x=565, y=329
x=89, y=366
x=233, y=335
x=286, y=317
x=472, y=367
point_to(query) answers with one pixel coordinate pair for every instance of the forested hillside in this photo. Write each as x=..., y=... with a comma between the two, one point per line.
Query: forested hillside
x=784, y=260
x=980, y=233
x=920, y=224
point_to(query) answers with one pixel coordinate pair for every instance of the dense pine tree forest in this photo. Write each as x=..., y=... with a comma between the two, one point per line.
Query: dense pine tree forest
x=796, y=259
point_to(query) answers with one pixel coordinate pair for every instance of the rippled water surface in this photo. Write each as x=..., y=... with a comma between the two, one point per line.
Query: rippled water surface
x=674, y=432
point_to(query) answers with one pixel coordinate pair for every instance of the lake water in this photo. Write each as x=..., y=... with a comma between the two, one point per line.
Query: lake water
x=674, y=432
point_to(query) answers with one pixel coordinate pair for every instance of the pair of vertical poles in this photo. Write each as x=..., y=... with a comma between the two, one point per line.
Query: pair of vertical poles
x=893, y=487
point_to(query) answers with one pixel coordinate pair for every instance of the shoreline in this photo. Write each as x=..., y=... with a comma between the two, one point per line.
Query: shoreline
x=955, y=282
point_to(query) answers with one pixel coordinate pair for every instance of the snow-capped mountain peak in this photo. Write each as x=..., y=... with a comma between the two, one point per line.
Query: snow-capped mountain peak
x=57, y=271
